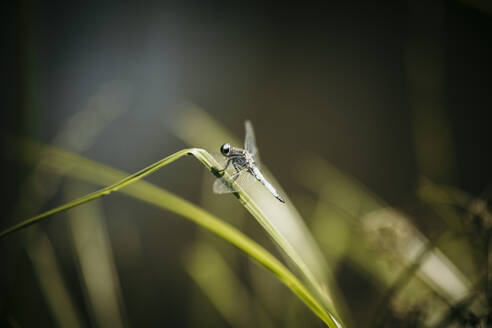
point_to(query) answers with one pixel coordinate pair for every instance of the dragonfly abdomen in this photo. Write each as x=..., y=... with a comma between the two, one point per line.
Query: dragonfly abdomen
x=259, y=176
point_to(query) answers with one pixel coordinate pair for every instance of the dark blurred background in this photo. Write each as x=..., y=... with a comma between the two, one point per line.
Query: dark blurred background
x=386, y=91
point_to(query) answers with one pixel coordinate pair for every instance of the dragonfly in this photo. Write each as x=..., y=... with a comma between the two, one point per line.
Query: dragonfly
x=244, y=165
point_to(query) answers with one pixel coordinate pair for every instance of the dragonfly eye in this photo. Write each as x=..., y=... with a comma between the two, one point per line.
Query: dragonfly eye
x=225, y=149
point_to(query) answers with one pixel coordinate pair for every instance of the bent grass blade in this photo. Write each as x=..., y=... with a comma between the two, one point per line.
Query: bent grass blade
x=80, y=168
x=282, y=222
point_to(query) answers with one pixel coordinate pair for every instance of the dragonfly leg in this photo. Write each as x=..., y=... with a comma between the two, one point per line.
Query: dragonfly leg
x=237, y=170
x=227, y=164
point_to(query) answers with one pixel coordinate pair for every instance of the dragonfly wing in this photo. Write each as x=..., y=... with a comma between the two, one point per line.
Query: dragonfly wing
x=245, y=179
x=241, y=178
x=250, y=142
x=222, y=186
x=256, y=158
x=249, y=139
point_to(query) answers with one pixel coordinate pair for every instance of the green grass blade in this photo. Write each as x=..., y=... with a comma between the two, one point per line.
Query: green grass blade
x=97, y=173
x=53, y=284
x=95, y=261
x=282, y=222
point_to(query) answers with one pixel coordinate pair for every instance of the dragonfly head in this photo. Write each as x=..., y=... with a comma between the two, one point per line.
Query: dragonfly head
x=225, y=149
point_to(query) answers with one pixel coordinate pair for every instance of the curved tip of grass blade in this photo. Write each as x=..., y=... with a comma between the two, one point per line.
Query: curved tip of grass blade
x=282, y=222
x=192, y=212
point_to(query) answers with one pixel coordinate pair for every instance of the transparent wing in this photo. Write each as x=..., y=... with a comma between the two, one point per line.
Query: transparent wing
x=242, y=178
x=222, y=186
x=250, y=142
